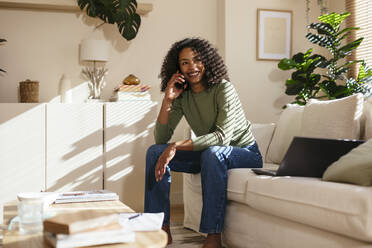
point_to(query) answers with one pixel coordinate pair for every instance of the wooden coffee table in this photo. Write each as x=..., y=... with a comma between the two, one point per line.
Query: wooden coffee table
x=13, y=239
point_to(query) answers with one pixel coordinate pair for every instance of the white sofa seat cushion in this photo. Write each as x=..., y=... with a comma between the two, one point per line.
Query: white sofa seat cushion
x=341, y=208
x=237, y=184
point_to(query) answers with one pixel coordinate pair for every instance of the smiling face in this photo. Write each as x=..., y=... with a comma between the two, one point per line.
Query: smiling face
x=191, y=66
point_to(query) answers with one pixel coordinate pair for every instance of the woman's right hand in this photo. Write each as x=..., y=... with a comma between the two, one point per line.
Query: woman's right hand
x=172, y=92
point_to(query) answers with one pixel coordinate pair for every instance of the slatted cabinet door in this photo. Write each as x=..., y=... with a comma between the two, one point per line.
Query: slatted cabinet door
x=128, y=133
x=22, y=146
x=74, y=146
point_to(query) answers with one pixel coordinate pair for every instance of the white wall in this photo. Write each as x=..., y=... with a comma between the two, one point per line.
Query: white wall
x=260, y=83
x=42, y=45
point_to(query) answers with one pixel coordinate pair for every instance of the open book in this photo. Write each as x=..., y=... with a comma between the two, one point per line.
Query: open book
x=86, y=196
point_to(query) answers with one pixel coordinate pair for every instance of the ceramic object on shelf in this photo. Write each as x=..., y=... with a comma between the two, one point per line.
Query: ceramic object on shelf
x=131, y=80
x=65, y=89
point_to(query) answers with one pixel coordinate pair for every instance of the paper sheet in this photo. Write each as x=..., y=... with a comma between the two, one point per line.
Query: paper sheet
x=142, y=222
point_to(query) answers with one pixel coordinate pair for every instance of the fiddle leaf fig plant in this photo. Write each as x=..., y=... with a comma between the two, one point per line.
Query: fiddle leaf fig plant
x=303, y=81
x=334, y=83
x=1, y=41
x=119, y=12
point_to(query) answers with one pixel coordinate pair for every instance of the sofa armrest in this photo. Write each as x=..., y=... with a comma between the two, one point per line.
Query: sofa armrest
x=263, y=134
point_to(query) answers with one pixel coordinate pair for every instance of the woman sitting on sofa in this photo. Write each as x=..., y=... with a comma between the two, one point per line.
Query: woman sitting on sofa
x=195, y=81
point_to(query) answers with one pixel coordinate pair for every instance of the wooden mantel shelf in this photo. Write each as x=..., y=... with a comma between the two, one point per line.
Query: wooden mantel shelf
x=63, y=5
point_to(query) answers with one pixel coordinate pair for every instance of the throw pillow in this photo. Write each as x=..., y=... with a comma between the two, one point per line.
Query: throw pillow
x=263, y=134
x=354, y=167
x=333, y=119
x=368, y=119
x=287, y=127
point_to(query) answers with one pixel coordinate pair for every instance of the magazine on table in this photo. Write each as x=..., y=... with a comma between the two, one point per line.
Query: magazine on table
x=86, y=196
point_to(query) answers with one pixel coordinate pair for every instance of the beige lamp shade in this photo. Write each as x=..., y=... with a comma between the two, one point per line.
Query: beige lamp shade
x=94, y=50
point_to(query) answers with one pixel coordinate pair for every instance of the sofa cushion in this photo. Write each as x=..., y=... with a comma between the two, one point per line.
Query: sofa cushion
x=333, y=119
x=354, y=167
x=288, y=126
x=341, y=208
x=237, y=184
x=263, y=134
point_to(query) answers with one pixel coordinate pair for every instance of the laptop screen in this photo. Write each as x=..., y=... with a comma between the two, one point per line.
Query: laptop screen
x=310, y=157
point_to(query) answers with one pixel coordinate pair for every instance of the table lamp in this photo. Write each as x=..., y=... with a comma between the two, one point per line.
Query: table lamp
x=94, y=51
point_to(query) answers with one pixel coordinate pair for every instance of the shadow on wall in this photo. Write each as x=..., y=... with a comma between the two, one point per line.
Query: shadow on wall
x=110, y=32
x=280, y=77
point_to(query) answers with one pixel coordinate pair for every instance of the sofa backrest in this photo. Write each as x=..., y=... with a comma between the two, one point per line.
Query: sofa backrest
x=345, y=118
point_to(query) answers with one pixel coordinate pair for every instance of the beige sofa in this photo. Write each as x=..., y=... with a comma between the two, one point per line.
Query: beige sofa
x=264, y=211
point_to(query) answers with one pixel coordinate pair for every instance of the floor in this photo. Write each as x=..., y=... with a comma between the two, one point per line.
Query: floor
x=182, y=237
x=177, y=214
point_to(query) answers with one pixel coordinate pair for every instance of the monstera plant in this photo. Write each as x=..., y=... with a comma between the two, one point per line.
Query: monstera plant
x=2, y=40
x=334, y=83
x=119, y=12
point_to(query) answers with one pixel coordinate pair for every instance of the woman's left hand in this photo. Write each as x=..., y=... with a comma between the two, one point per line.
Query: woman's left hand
x=164, y=160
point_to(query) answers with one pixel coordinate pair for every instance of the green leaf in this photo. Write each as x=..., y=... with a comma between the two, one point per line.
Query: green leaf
x=347, y=64
x=320, y=40
x=348, y=48
x=347, y=30
x=364, y=71
x=299, y=76
x=319, y=61
x=293, y=87
x=334, y=19
x=120, y=12
x=129, y=28
x=307, y=53
x=323, y=28
x=342, y=91
x=287, y=64
x=314, y=79
x=329, y=88
x=90, y=5
x=298, y=58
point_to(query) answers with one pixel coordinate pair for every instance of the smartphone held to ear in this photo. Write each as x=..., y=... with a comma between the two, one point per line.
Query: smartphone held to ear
x=179, y=85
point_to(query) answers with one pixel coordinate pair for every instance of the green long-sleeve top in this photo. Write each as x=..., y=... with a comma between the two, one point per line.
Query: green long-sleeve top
x=215, y=115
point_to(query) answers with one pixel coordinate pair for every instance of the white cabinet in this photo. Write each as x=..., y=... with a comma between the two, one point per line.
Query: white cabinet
x=128, y=134
x=65, y=147
x=74, y=146
x=22, y=146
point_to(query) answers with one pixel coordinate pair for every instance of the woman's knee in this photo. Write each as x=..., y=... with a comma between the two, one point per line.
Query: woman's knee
x=216, y=152
x=212, y=157
x=153, y=153
x=210, y=153
x=156, y=150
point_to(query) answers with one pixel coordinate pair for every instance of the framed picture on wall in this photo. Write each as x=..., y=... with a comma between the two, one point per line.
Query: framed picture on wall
x=274, y=34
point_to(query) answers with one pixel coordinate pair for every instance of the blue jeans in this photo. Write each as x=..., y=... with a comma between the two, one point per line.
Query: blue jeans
x=213, y=164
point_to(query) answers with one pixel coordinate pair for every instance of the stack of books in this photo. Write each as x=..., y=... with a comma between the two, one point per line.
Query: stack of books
x=86, y=196
x=132, y=92
x=85, y=228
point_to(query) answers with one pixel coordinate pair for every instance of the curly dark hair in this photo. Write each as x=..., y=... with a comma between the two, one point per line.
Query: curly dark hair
x=215, y=68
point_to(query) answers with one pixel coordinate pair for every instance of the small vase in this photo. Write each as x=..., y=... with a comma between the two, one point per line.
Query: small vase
x=65, y=89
